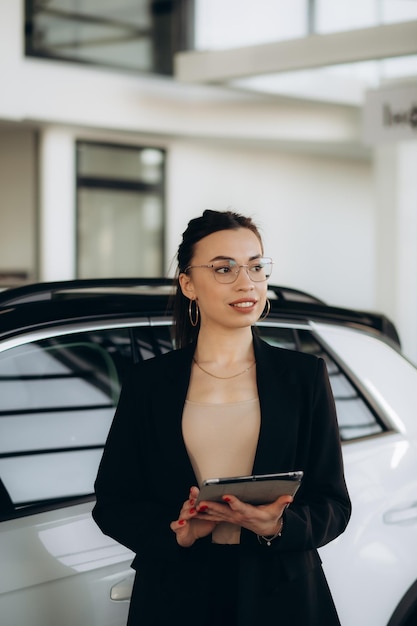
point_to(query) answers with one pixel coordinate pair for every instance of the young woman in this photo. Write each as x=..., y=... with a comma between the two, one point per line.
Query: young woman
x=224, y=403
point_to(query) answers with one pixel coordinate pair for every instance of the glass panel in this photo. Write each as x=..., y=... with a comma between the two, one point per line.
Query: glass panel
x=276, y=336
x=136, y=35
x=144, y=345
x=57, y=402
x=355, y=417
x=120, y=211
x=87, y=427
x=98, y=43
x=234, y=23
x=122, y=163
x=343, y=15
x=399, y=67
x=383, y=371
x=151, y=341
x=120, y=234
x=31, y=479
x=398, y=10
x=163, y=336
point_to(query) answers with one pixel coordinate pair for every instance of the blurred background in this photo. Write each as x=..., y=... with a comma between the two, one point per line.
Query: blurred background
x=120, y=121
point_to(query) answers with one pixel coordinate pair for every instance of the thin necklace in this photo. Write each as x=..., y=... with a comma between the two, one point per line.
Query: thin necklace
x=223, y=377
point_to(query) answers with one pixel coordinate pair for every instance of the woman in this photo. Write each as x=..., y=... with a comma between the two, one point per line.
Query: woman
x=224, y=404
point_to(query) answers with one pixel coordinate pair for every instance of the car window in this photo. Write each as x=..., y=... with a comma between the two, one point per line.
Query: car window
x=58, y=397
x=150, y=341
x=57, y=401
x=355, y=417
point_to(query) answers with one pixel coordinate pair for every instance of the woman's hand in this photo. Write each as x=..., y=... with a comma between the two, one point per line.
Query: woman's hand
x=263, y=519
x=190, y=525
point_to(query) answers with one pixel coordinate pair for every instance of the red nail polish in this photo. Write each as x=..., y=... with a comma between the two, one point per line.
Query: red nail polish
x=226, y=499
x=203, y=508
x=192, y=501
x=181, y=522
x=192, y=511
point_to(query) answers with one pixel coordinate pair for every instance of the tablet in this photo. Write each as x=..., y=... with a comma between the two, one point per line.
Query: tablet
x=255, y=489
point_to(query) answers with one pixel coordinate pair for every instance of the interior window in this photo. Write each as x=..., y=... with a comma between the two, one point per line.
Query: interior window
x=140, y=36
x=120, y=210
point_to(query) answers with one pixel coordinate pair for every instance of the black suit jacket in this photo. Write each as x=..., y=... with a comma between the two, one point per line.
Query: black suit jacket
x=145, y=475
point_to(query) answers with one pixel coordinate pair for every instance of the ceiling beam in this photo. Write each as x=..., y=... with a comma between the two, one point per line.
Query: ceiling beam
x=378, y=42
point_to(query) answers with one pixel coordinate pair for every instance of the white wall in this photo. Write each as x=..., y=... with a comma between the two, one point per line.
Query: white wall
x=395, y=167
x=316, y=214
x=57, y=214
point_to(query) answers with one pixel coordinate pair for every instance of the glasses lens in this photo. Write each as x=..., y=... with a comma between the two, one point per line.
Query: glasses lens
x=225, y=271
x=228, y=270
x=260, y=270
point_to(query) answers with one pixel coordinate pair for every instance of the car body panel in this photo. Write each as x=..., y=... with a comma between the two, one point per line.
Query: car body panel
x=49, y=565
x=56, y=565
x=378, y=549
x=373, y=563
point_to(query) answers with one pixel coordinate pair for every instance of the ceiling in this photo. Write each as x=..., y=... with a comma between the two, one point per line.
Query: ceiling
x=335, y=68
x=314, y=50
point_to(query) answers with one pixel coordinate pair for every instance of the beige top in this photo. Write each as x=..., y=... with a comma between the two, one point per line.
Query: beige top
x=221, y=440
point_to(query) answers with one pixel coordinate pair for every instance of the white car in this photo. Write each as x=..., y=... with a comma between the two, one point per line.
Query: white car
x=64, y=348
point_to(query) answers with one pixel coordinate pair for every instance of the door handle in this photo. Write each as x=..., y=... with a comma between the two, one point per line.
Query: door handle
x=122, y=590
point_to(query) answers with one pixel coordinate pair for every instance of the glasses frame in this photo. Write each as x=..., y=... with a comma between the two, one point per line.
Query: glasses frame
x=235, y=271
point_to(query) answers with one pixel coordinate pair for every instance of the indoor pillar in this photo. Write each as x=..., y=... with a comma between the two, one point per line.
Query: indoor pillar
x=57, y=204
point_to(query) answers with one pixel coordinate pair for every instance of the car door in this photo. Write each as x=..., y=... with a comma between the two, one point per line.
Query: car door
x=379, y=546
x=58, y=392
x=371, y=568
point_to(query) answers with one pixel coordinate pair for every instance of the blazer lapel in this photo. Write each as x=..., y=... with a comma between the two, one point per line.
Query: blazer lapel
x=278, y=404
x=168, y=407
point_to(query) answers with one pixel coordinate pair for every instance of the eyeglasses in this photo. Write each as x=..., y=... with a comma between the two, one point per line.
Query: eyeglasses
x=227, y=270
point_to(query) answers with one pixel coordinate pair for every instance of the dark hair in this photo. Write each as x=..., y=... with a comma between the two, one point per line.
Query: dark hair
x=198, y=228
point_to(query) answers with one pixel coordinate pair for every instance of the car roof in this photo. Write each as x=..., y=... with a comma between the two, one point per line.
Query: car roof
x=62, y=302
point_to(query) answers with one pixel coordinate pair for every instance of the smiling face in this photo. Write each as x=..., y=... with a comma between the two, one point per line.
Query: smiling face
x=225, y=305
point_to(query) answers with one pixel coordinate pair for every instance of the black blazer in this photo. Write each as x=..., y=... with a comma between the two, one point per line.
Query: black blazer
x=145, y=475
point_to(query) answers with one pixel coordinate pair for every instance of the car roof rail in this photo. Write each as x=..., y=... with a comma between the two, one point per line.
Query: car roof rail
x=48, y=290
x=36, y=292
x=293, y=295
x=293, y=300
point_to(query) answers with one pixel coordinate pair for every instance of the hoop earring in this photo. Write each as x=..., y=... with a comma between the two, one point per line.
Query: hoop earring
x=268, y=308
x=193, y=322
